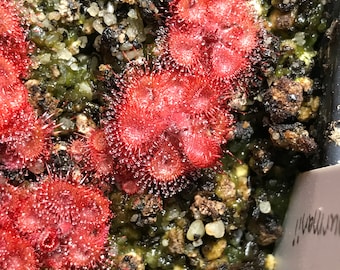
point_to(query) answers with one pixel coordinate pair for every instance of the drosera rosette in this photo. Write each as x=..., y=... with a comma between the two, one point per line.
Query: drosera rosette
x=171, y=120
x=10, y=196
x=24, y=138
x=66, y=223
x=13, y=93
x=13, y=43
x=102, y=162
x=158, y=125
x=215, y=38
x=91, y=153
x=55, y=224
x=16, y=252
x=185, y=46
x=26, y=141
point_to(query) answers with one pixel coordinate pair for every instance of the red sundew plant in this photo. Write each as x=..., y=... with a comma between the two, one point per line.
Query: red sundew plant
x=15, y=251
x=174, y=127
x=67, y=224
x=215, y=38
x=78, y=151
x=9, y=206
x=25, y=141
x=13, y=44
x=185, y=45
x=170, y=122
x=24, y=138
x=101, y=161
x=56, y=224
x=92, y=155
x=190, y=11
x=13, y=94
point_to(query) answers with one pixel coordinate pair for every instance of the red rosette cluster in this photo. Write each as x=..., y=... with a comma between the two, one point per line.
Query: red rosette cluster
x=91, y=153
x=24, y=139
x=16, y=252
x=213, y=37
x=60, y=225
x=13, y=45
x=168, y=125
x=171, y=121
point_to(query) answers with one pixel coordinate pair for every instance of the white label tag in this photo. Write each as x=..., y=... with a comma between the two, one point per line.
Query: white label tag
x=311, y=230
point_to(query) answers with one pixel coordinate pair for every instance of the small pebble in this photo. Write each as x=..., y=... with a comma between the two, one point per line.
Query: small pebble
x=66, y=124
x=45, y=58
x=196, y=230
x=300, y=38
x=97, y=25
x=41, y=16
x=74, y=66
x=121, y=38
x=197, y=243
x=110, y=19
x=132, y=33
x=84, y=124
x=215, y=229
x=110, y=8
x=83, y=41
x=85, y=89
x=133, y=14
x=54, y=15
x=165, y=242
x=93, y=9
x=265, y=207
x=64, y=54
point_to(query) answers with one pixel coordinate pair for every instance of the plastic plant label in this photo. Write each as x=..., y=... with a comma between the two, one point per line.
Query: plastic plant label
x=311, y=238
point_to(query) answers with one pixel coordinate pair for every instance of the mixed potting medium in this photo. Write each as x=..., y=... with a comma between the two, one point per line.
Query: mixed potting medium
x=139, y=134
